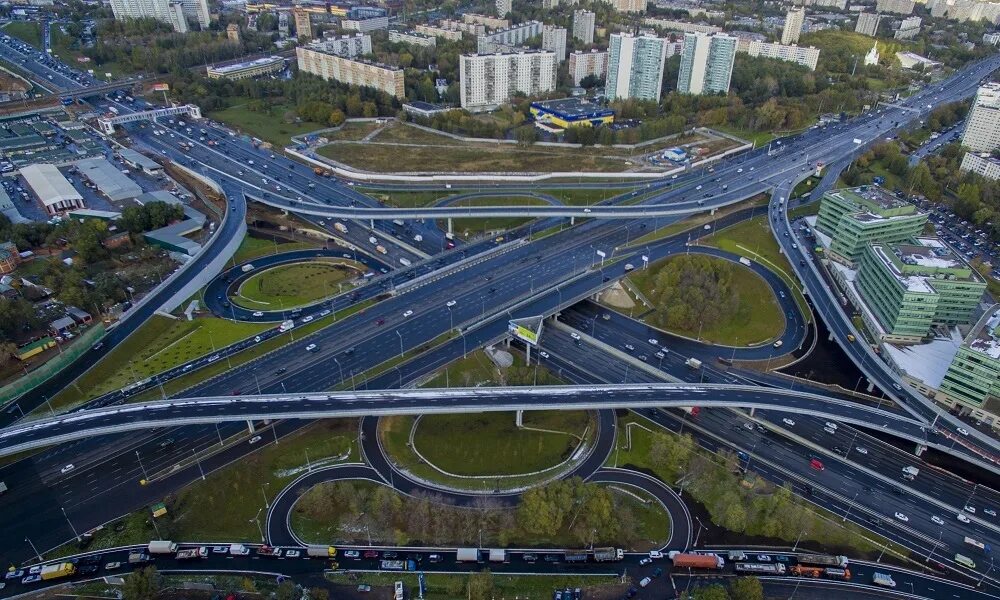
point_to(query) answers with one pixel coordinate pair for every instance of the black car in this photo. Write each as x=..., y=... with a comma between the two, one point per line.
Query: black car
x=552, y=558
x=88, y=569
x=530, y=558
x=91, y=559
x=389, y=555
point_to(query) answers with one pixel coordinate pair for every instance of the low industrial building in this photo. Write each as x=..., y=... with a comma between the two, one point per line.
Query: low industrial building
x=571, y=112
x=246, y=70
x=424, y=110
x=909, y=60
x=972, y=382
x=858, y=217
x=108, y=179
x=53, y=190
x=140, y=162
x=912, y=287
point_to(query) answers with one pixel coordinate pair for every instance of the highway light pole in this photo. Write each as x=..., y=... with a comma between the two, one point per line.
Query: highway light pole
x=934, y=547
x=980, y=582
x=267, y=505
x=849, y=505
x=400, y=343
x=145, y=475
x=37, y=553
x=75, y=534
x=340, y=368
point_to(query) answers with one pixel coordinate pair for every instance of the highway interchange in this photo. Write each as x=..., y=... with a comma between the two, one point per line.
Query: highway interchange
x=488, y=282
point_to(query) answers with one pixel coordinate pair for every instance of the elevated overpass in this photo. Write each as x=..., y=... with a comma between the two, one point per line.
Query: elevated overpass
x=97, y=90
x=107, y=124
x=192, y=411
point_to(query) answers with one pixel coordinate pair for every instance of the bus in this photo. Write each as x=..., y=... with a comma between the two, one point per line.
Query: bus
x=976, y=543
x=965, y=561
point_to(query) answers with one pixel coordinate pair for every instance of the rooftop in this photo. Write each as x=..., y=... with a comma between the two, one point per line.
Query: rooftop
x=985, y=336
x=572, y=107
x=872, y=195
x=108, y=179
x=927, y=362
x=928, y=252
x=913, y=283
x=49, y=184
x=257, y=62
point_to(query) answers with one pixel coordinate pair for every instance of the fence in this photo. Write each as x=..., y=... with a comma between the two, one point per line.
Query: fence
x=25, y=384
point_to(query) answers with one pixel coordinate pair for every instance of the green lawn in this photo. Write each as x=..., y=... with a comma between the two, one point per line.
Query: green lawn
x=491, y=444
x=466, y=227
x=805, y=210
x=440, y=586
x=572, y=197
x=758, y=137
x=757, y=318
x=288, y=286
x=27, y=31
x=252, y=247
x=754, y=240
x=352, y=131
x=269, y=127
x=161, y=343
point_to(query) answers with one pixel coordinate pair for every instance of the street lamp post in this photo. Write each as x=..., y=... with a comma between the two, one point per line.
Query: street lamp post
x=848, y=511
x=198, y=461
x=145, y=475
x=339, y=368
x=75, y=534
x=400, y=335
x=37, y=553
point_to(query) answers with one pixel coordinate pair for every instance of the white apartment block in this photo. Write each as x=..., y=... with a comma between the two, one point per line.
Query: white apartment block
x=361, y=73
x=982, y=126
x=981, y=164
x=550, y=4
x=165, y=11
x=807, y=57
x=491, y=22
x=965, y=10
x=680, y=26
x=365, y=25
x=455, y=25
x=867, y=23
x=197, y=11
x=412, y=38
x=554, y=39
x=908, y=29
x=504, y=7
x=628, y=5
x=489, y=80
x=794, y=19
x=899, y=7
x=635, y=66
x=584, y=64
x=991, y=38
x=513, y=36
x=441, y=32
x=347, y=46
x=838, y=4
x=583, y=26
x=706, y=63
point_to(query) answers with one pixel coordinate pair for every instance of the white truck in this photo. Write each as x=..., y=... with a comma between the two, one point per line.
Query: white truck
x=883, y=580
x=744, y=260
x=857, y=140
x=161, y=547
x=910, y=473
x=286, y=325
x=467, y=555
x=498, y=555
x=340, y=227
x=694, y=363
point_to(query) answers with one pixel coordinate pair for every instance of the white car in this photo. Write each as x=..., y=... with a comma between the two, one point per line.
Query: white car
x=307, y=319
x=655, y=554
x=861, y=450
x=970, y=509
x=788, y=422
x=543, y=354
x=963, y=430
x=831, y=425
x=407, y=313
x=311, y=348
x=653, y=342
x=902, y=517
x=255, y=439
x=629, y=347
x=937, y=520
x=450, y=303
x=258, y=313
x=990, y=512
x=963, y=518
x=292, y=553
x=645, y=581
x=645, y=561
x=67, y=468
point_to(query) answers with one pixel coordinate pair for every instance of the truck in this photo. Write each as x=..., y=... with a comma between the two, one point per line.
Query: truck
x=745, y=261
x=405, y=262
x=449, y=236
x=138, y=558
x=835, y=573
x=247, y=268
x=161, y=547
x=340, y=227
x=608, y=554
x=467, y=555
x=883, y=580
x=977, y=544
x=192, y=553
x=803, y=571
x=826, y=560
x=397, y=591
x=238, y=550
x=57, y=570
x=910, y=473
x=272, y=551
x=857, y=140
x=381, y=249
x=498, y=555
x=696, y=561
x=321, y=551
x=318, y=171
x=286, y=325
x=397, y=565
x=694, y=363
x=764, y=568
x=575, y=557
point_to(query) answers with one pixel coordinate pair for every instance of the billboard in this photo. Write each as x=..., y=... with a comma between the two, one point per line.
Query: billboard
x=523, y=333
x=161, y=87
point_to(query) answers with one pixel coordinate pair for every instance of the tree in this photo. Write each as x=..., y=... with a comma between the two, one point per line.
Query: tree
x=7, y=352
x=710, y=592
x=143, y=584
x=480, y=586
x=286, y=590
x=692, y=290
x=318, y=593
x=746, y=588
x=671, y=454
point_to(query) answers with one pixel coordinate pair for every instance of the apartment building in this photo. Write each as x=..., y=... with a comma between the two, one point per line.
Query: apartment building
x=635, y=66
x=357, y=72
x=504, y=7
x=867, y=23
x=554, y=39
x=489, y=80
x=347, y=46
x=246, y=70
x=166, y=11
x=908, y=28
x=794, y=19
x=303, y=23
x=513, y=36
x=684, y=26
x=899, y=7
x=983, y=165
x=365, y=25
x=982, y=126
x=439, y=32
x=486, y=21
x=412, y=38
x=972, y=381
x=627, y=5
x=706, y=63
x=584, y=64
x=583, y=26
x=807, y=57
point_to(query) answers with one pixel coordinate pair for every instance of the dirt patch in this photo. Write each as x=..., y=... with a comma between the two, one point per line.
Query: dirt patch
x=616, y=296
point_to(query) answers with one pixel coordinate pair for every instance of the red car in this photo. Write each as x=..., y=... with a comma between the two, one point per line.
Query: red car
x=371, y=554
x=816, y=464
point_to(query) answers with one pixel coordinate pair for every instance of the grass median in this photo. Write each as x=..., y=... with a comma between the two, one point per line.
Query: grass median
x=441, y=586
x=292, y=285
x=252, y=247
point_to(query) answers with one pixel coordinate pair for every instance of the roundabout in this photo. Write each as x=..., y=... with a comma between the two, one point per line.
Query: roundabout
x=295, y=284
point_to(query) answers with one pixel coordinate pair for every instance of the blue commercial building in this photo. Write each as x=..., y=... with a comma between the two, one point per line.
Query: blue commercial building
x=570, y=112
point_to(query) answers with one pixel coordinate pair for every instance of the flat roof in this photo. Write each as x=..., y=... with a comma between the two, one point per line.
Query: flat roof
x=985, y=337
x=257, y=62
x=48, y=184
x=573, y=108
x=913, y=283
x=928, y=252
x=108, y=179
x=138, y=158
x=927, y=362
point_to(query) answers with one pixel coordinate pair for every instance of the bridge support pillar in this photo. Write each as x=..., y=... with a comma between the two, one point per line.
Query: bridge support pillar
x=712, y=212
x=572, y=221
x=753, y=409
x=829, y=338
x=527, y=354
x=920, y=449
x=871, y=386
x=250, y=426
x=451, y=228
x=519, y=419
x=371, y=224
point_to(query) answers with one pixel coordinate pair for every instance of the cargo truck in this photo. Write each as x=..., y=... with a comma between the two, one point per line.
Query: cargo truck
x=608, y=554
x=192, y=553
x=238, y=550
x=467, y=555
x=802, y=571
x=381, y=249
x=321, y=551
x=397, y=565
x=744, y=260
x=857, y=140
x=835, y=573
x=161, y=547
x=286, y=325
x=575, y=557
x=57, y=570
x=910, y=473
x=340, y=227
x=823, y=559
x=498, y=555
x=694, y=363
x=883, y=580
x=763, y=568
x=697, y=561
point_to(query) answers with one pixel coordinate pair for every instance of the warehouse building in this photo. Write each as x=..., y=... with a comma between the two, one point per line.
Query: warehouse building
x=140, y=161
x=571, y=112
x=53, y=190
x=246, y=70
x=109, y=180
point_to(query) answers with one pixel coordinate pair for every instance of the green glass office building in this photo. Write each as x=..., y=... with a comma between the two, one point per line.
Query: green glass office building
x=973, y=379
x=858, y=217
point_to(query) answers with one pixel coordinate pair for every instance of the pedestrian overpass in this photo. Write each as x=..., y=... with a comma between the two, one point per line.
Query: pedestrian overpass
x=107, y=123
